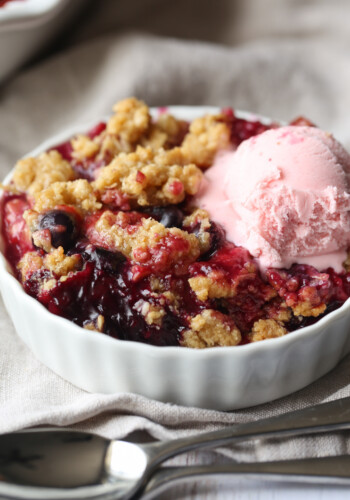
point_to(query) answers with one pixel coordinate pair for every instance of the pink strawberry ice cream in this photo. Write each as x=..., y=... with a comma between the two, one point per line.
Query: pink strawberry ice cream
x=284, y=195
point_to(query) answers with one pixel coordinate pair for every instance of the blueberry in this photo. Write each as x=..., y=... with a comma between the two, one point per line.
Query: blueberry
x=104, y=259
x=170, y=216
x=62, y=226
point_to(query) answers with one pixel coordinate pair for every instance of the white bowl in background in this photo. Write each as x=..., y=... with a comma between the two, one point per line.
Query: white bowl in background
x=27, y=25
x=222, y=378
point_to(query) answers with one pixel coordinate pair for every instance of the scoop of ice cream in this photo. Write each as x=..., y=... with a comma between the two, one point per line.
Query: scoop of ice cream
x=284, y=195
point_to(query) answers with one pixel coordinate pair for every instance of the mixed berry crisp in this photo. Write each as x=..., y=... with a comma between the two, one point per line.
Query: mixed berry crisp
x=104, y=230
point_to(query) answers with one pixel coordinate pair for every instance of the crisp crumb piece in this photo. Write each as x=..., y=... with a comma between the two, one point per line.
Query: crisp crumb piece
x=56, y=262
x=266, y=329
x=306, y=309
x=36, y=174
x=78, y=193
x=213, y=286
x=153, y=314
x=131, y=120
x=149, y=178
x=84, y=147
x=210, y=329
x=206, y=137
x=59, y=263
x=29, y=263
x=31, y=218
x=167, y=132
x=42, y=239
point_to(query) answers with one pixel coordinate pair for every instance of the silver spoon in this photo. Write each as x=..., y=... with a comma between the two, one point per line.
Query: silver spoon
x=325, y=470
x=56, y=464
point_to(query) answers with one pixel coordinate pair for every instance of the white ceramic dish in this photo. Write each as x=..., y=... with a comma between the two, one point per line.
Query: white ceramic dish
x=221, y=378
x=25, y=27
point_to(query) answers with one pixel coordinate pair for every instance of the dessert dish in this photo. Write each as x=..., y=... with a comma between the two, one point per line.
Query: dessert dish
x=222, y=378
x=27, y=25
x=216, y=232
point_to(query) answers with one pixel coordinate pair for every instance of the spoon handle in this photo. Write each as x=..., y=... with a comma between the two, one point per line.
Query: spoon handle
x=331, y=416
x=329, y=470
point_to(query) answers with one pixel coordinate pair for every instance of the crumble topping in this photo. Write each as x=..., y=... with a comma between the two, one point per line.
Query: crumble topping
x=266, y=329
x=35, y=174
x=153, y=314
x=206, y=137
x=84, y=147
x=124, y=130
x=79, y=194
x=149, y=178
x=59, y=263
x=29, y=264
x=210, y=329
x=130, y=121
x=56, y=262
x=167, y=132
x=213, y=286
x=145, y=243
x=306, y=308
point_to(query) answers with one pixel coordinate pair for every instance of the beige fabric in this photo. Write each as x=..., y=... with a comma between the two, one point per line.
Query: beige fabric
x=281, y=60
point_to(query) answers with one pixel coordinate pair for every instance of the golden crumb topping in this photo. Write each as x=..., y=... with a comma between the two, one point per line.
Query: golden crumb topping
x=152, y=313
x=206, y=137
x=306, y=309
x=79, y=194
x=149, y=178
x=145, y=242
x=36, y=174
x=165, y=133
x=130, y=121
x=213, y=286
x=59, y=263
x=84, y=147
x=210, y=329
x=266, y=329
x=29, y=264
x=56, y=261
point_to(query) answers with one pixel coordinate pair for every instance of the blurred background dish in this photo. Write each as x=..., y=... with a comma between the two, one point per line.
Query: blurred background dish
x=28, y=26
